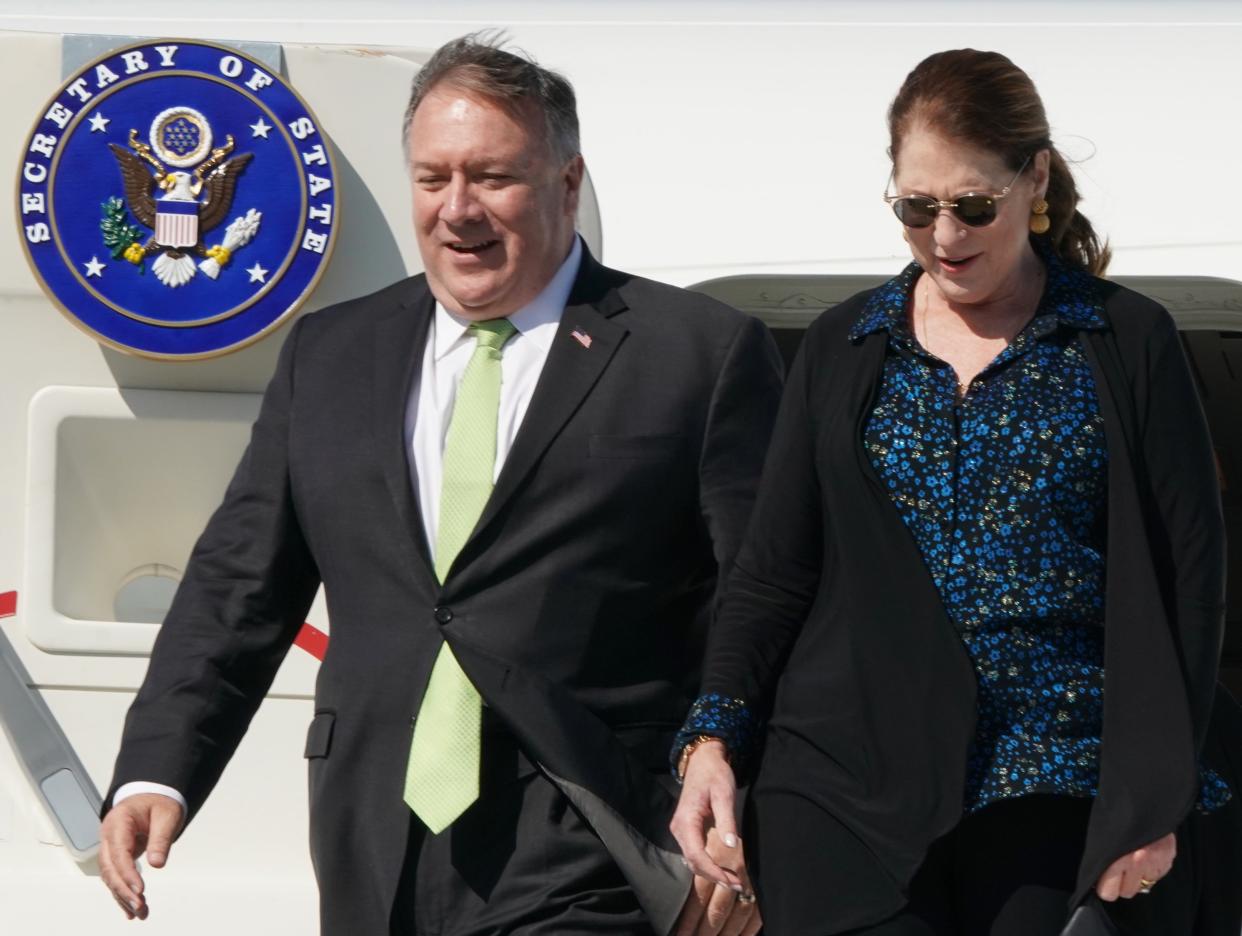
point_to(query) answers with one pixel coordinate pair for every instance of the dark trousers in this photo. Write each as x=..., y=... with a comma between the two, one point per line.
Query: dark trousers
x=521, y=860
x=1009, y=870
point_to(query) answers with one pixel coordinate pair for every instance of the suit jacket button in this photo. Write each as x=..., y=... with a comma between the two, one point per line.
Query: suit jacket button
x=443, y=614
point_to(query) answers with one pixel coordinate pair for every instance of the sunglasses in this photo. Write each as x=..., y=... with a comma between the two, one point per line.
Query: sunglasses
x=973, y=209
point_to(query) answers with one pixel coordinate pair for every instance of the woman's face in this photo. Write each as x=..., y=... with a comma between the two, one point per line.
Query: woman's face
x=970, y=265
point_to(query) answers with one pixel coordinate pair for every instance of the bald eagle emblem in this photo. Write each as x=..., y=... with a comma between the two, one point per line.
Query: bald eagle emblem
x=180, y=189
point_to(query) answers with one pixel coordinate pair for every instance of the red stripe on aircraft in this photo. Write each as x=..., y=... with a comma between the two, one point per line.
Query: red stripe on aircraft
x=309, y=638
x=312, y=640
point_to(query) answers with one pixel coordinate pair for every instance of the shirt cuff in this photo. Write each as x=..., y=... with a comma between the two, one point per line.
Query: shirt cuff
x=730, y=720
x=126, y=790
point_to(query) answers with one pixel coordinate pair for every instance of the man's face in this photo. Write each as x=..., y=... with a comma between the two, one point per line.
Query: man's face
x=493, y=210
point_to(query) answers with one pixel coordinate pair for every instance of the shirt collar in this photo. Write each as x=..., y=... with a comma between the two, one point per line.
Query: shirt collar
x=1070, y=297
x=537, y=320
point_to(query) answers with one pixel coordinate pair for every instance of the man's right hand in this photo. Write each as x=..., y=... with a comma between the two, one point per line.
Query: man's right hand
x=143, y=822
x=713, y=910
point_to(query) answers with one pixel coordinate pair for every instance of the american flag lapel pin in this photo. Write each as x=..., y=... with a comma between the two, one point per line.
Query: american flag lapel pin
x=581, y=337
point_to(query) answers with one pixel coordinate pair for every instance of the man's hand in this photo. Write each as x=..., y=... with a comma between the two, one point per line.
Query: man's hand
x=1136, y=872
x=144, y=822
x=715, y=910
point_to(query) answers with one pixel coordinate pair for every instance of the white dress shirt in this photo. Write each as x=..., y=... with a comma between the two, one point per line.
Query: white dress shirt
x=447, y=352
x=430, y=408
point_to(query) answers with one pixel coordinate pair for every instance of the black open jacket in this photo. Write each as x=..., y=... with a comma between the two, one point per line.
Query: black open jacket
x=834, y=629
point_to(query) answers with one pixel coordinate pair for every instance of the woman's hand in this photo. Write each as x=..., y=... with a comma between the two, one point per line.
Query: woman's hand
x=708, y=792
x=1133, y=873
x=722, y=900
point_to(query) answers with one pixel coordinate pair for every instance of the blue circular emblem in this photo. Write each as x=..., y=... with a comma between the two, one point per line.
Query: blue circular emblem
x=177, y=199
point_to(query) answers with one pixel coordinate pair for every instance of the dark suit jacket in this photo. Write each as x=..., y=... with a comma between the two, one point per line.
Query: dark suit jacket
x=834, y=622
x=578, y=607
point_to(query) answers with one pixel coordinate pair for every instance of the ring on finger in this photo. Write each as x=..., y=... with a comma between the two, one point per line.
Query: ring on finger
x=746, y=897
x=1146, y=885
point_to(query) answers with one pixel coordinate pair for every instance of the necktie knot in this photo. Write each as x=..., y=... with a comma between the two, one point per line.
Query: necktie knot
x=493, y=333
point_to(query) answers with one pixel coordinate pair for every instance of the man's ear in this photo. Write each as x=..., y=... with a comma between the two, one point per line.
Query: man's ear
x=571, y=178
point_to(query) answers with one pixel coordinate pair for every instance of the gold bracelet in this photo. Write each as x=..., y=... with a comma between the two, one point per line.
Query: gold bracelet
x=684, y=761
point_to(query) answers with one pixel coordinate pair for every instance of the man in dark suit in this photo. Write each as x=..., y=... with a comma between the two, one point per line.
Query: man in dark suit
x=521, y=478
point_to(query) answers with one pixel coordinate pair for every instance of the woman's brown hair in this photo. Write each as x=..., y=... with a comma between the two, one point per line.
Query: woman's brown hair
x=986, y=101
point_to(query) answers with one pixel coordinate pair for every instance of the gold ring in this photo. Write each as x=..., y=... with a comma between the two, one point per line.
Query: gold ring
x=746, y=897
x=1145, y=885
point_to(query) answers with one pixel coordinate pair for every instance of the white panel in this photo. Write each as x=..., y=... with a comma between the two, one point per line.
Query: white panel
x=118, y=481
x=730, y=137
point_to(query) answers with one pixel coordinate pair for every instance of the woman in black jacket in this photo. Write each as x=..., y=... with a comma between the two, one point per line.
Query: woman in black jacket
x=969, y=649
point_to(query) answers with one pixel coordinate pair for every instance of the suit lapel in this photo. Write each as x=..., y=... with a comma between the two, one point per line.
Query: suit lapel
x=400, y=339
x=585, y=343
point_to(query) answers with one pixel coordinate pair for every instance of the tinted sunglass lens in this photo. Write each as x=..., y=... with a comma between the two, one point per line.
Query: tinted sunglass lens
x=975, y=210
x=915, y=212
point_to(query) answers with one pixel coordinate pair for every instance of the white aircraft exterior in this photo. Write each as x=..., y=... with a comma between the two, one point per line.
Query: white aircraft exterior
x=723, y=139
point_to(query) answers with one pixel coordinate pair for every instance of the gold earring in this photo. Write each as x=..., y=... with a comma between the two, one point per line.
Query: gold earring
x=1039, y=217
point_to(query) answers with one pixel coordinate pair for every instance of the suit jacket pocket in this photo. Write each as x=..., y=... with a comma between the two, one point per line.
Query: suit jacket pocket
x=319, y=735
x=633, y=446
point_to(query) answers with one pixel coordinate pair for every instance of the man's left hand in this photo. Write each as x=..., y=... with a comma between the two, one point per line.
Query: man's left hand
x=715, y=910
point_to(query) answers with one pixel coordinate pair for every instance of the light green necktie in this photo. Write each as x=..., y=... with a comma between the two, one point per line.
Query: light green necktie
x=442, y=778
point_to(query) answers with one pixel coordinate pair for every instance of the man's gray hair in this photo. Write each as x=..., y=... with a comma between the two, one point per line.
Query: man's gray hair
x=477, y=63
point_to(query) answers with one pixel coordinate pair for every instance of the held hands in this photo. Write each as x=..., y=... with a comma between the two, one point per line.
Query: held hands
x=144, y=822
x=721, y=900
x=1138, y=871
